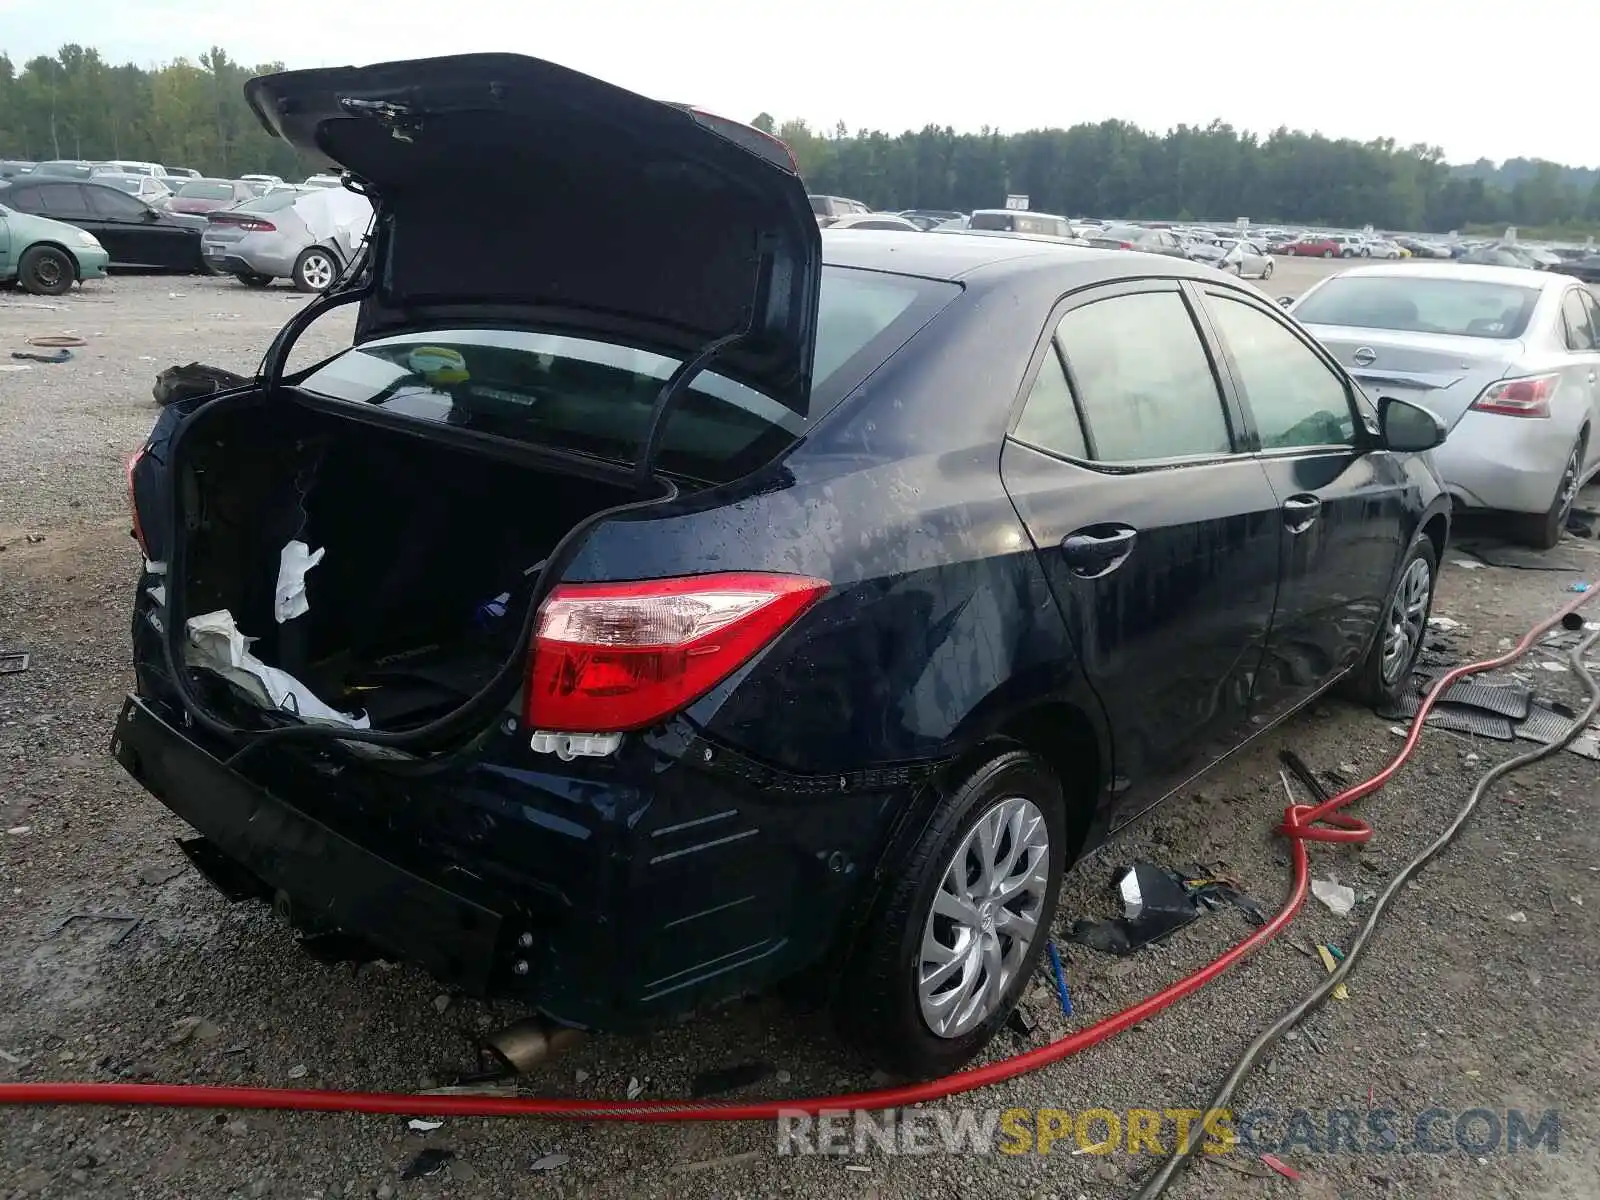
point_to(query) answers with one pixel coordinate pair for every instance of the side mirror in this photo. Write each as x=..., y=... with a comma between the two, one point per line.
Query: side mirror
x=150, y=214
x=1285, y=301
x=1409, y=428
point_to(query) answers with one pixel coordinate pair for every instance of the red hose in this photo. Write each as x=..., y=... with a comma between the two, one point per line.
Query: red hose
x=1301, y=824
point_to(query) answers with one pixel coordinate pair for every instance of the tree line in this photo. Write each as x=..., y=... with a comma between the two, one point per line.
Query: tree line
x=192, y=114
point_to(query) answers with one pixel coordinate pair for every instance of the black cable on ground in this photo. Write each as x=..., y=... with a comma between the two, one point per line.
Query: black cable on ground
x=1158, y=1183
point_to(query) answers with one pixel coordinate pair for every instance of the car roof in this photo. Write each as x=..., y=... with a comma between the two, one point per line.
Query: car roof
x=956, y=256
x=1470, y=272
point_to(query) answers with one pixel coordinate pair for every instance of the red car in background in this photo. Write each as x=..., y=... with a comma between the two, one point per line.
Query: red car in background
x=1313, y=247
x=209, y=195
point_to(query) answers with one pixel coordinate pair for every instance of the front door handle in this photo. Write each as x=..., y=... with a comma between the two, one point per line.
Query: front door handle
x=1098, y=549
x=1300, y=512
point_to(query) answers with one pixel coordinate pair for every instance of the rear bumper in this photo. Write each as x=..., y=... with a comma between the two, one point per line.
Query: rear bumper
x=600, y=902
x=1504, y=464
x=326, y=881
x=249, y=256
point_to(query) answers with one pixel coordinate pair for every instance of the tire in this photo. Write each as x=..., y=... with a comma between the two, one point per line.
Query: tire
x=1543, y=530
x=1372, y=682
x=881, y=1007
x=251, y=280
x=315, y=269
x=46, y=271
x=1266, y=271
x=1327, y=254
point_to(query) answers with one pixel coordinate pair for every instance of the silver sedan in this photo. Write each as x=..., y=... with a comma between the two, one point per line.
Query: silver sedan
x=1245, y=259
x=1508, y=358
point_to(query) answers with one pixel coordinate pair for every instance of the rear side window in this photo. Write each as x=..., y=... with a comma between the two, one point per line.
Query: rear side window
x=63, y=200
x=1003, y=222
x=1049, y=418
x=1143, y=379
x=595, y=398
x=1575, y=319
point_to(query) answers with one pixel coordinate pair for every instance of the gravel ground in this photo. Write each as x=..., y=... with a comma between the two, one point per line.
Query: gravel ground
x=1479, y=993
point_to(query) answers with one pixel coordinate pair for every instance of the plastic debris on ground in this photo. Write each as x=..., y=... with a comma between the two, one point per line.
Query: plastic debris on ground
x=1158, y=902
x=13, y=662
x=1341, y=992
x=429, y=1163
x=709, y=1164
x=1339, y=898
x=1281, y=1167
x=1061, y=979
x=215, y=644
x=549, y=1162
x=417, y=1125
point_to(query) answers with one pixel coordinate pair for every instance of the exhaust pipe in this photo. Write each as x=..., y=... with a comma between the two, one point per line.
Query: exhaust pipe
x=523, y=1045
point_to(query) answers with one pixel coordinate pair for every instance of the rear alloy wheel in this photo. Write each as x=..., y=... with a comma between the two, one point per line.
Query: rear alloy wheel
x=315, y=270
x=252, y=280
x=1384, y=675
x=955, y=935
x=1266, y=271
x=46, y=271
x=1327, y=254
x=1544, y=530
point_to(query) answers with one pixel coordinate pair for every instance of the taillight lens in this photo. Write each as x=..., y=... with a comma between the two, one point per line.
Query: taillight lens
x=1125, y=245
x=617, y=656
x=248, y=224
x=1525, y=397
x=133, y=503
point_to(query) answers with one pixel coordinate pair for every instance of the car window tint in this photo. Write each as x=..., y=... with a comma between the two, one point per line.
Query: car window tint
x=108, y=202
x=1143, y=378
x=1049, y=418
x=1296, y=398
x=1593, y=305
x=63, y=200
x=1575, y=317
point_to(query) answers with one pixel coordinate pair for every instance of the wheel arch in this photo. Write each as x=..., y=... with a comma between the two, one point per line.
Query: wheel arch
x=46, y=243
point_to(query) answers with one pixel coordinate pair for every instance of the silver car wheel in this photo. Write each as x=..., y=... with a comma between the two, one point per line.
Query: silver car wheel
x=984, y=918
x=317, y=271
x=1408, y=615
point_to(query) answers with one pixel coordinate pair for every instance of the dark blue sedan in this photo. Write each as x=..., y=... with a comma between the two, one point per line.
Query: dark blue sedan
x=679, y=600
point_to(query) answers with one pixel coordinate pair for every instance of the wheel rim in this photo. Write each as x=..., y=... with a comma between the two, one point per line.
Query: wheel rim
x=317, y=271
x=1567, y=495
x=1408, y=615
x=48, y=270
x=985, y=917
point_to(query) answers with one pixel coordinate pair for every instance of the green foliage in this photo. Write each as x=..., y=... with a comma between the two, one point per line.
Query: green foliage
x=183, y=114
x=193, y=114
x=1114, y=169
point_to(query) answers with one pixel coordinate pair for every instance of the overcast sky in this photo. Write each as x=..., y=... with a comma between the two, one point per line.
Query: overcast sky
x=1467, y=75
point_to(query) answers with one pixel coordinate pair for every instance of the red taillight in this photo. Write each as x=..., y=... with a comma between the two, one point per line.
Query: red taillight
x=1526, y=397
x=248, y=224
x=616, y=656
x=133, y=503
x=1124, y=245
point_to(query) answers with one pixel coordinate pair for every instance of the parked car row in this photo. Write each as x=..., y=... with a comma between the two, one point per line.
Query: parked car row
x=256, y=229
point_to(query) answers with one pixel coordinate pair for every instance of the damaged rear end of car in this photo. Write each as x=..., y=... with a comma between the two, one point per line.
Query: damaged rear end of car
x=380, y=667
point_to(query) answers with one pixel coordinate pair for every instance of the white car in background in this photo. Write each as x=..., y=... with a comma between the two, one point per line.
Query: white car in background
x=1382, y=248
x=1508, y=358
x=1244, y=258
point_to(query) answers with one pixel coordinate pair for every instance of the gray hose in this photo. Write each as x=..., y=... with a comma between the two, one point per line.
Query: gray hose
x=1158, y=1183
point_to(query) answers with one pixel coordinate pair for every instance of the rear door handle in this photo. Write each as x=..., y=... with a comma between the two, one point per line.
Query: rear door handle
x=1300, y=512
x=1098, y=549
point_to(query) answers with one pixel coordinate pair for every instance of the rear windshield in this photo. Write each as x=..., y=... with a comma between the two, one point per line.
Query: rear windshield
x=123, y=183
x=596, y=398
x=199, y=190
x=1460, y=307
x=270, y=203
x=990, y=220
x=1122, y=233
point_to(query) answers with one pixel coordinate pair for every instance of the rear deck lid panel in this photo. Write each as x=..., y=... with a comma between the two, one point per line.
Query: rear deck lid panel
x=514, y=191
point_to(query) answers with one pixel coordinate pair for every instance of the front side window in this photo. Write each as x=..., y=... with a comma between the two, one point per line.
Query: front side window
x=1143, y=379
x=63, y=200
x=1296, y=398
x=596, y=398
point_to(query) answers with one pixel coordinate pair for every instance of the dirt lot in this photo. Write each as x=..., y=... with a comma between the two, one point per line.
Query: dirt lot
x=1479, y=994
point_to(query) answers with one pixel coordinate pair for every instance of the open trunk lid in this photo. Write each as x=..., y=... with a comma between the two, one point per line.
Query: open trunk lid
x=513, y=191
x=1444, y=373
